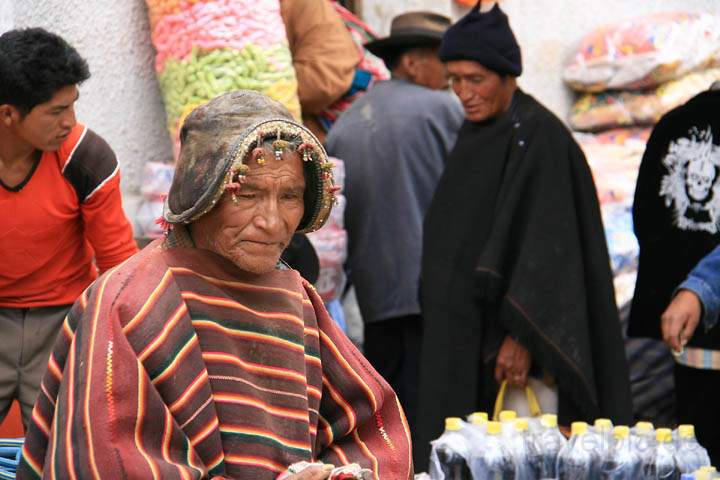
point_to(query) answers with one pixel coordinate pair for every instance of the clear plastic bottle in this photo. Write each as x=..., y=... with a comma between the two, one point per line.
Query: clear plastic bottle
x=576, y=461
x=524, y=452
x=643, y=441
x=622, y=461
x=478, y=421
x=662, y=465
x=549, y=441
x=689, y=454
x=450, y=453
x=475, y=431
x=494, y=461
x=507, y=420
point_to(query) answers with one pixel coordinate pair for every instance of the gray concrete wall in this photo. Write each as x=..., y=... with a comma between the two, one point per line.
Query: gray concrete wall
x=121, y=101
x=547, y=30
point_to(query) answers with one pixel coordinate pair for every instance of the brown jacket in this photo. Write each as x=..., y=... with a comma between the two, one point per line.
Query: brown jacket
x=324, y=55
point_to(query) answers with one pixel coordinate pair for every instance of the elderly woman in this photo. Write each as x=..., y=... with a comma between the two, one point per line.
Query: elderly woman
x=202, y=356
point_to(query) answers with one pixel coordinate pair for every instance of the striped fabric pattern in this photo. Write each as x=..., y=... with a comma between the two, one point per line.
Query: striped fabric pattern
x=705, y=359
x=177, y=365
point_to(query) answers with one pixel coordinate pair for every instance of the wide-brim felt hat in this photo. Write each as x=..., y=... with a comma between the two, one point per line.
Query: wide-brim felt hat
x=412, y=29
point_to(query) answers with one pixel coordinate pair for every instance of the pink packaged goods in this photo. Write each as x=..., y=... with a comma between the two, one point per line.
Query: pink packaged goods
x=209, y=47
x=598, y=111
x=645, y=51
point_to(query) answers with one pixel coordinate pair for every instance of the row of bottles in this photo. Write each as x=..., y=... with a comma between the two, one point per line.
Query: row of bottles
x=522, y=449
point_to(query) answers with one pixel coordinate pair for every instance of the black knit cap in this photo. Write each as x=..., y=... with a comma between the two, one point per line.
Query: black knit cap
x=485, y=38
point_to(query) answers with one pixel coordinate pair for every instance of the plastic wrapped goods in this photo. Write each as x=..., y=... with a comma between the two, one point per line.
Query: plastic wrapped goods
x=644, y=52
x=450, y=453
x=549, y=441
x=331, y=241
x=662, y=463
x=689, y=454
x=622, y=462
x=598, y=111
x=209, y=47
x=575, y=461
x=493, y=461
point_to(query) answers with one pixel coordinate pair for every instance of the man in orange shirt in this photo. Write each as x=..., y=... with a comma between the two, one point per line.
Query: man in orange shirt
x=61, y=213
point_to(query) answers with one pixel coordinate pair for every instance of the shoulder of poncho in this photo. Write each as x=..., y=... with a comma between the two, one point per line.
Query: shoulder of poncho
x=132, y=282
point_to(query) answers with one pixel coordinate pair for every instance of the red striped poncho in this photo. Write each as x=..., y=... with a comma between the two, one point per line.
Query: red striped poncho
x=178, y=365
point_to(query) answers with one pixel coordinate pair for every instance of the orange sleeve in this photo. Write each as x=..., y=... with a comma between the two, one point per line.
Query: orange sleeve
x=106, y=226
x=324, y=54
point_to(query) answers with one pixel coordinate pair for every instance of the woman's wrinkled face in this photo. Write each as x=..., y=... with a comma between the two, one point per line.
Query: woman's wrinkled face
x=254, y=231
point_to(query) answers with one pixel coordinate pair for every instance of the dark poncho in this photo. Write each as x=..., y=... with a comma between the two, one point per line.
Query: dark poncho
x=514, y=244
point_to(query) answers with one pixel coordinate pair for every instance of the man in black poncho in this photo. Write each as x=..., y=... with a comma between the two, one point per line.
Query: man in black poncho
x=516, y=278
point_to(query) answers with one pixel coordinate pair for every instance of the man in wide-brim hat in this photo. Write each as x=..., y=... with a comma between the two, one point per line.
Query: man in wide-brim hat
x=394, y=141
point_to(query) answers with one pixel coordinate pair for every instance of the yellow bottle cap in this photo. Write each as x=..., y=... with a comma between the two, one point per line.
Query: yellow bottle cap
x=644, y=426
x=494, y=428
x=663, y=435
x=478, y=418
x=708, y=469
x=603, y=424
x=453, y=423
x=578, y=428
x=508, y=415
x=521, y=424
x=686, y=431
x=549, y=420
x=621, y=432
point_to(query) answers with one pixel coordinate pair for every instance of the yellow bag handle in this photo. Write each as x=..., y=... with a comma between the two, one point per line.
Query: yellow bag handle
x=533, y=404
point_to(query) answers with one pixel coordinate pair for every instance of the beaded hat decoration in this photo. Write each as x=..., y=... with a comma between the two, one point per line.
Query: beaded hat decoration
x=220, y=138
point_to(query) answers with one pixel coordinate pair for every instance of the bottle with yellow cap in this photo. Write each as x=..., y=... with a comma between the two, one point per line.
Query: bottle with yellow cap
x=494, y=461
x=662, y=464
x=450, y=453
x=622, y=461
x=507, y=420
x=690, y=455
x=549, y=442
x=642, y=437
x=576, y=461
x=524, y=451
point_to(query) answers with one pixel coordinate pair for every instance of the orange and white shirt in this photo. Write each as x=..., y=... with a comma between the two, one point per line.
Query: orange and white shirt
x=66, y=213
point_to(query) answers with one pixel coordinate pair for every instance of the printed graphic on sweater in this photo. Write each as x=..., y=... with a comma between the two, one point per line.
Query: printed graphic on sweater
x=691, y=185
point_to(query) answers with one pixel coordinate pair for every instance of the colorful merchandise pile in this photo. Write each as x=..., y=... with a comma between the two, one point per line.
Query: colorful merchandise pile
x=330, y=242
x=633, y=72
x=209, y=47
x=10, y=451
x=370, y=69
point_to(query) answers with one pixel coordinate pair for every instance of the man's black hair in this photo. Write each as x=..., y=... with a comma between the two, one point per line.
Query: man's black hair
x=392, y=60
x=34, y=65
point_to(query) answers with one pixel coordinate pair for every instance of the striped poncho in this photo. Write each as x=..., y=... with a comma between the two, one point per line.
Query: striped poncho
x=178, y=365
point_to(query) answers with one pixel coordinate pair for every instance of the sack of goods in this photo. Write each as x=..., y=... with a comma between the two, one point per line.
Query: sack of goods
x=644, y=52
x=209, y=47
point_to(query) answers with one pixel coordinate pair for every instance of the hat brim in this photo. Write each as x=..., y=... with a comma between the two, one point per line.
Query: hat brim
x=388, y=47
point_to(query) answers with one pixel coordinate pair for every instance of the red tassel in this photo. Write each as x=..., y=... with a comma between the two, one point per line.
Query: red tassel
x=164, y=224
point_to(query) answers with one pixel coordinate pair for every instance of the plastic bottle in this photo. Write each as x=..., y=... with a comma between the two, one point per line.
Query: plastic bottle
x=643, y=441
x=549, y=441
x=507, y=420
x=494, y=461
x=622, y=461
x=662, y=465
x=450, y=453
x=689, y=454
x=576, y=461
x=524, y=452
x=475, y=431
x=478, y=421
